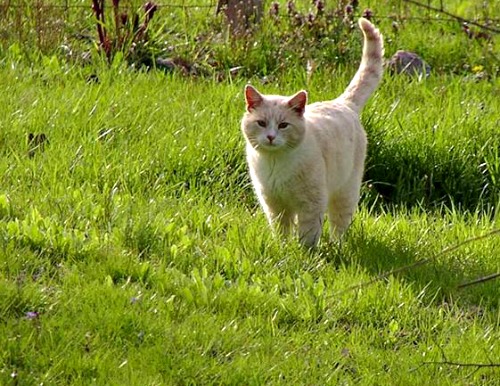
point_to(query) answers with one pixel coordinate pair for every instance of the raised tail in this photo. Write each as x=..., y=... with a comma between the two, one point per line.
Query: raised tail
x=370, y=70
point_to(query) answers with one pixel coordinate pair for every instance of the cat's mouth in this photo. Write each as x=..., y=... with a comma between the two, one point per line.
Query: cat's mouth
x=269, y=146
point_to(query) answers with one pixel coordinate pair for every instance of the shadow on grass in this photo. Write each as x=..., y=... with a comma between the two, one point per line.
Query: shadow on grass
x=430, y=173
x=437, y=276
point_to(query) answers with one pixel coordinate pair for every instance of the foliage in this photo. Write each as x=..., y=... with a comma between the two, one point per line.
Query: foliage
x=132, y=249
x=131, y=34
x=293, y=34
x=448, y=157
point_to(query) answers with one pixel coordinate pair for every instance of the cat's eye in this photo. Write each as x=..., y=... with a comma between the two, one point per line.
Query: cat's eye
x=283, y=125
x=261, y=123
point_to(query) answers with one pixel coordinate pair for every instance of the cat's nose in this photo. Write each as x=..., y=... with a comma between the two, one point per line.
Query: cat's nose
x=271, y=138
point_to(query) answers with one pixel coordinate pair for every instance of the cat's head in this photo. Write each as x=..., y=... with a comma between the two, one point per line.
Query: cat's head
x=273, y=123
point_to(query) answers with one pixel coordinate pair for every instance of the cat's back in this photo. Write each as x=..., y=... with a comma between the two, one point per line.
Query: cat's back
x=333, y=119
x=337, y=132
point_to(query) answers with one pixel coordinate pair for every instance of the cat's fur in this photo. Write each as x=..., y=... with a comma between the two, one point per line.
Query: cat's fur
x=307, y=159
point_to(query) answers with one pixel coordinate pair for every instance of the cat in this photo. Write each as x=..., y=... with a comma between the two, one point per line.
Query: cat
x=305, y=160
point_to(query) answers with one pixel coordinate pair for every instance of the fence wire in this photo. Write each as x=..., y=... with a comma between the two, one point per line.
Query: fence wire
x=41, y=23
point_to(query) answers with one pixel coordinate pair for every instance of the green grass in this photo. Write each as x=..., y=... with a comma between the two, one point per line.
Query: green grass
x=133, y=251
x=148, y=261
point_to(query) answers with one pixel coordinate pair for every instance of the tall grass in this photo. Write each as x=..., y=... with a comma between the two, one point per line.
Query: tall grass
x=440, y=150
x=318, y=33
x=132, y=249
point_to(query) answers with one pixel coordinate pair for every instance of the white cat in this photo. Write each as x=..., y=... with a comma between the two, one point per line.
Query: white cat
x=305, y=159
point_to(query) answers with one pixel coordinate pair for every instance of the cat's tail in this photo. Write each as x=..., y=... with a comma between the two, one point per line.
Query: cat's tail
x=370, y=70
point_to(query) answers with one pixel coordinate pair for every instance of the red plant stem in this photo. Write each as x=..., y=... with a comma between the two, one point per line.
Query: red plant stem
x=480, y=280
x=116, y=12
x=459, y=364
x=98, y=8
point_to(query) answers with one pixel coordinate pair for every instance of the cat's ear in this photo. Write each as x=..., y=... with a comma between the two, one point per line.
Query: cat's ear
x=298, y=102
x=252, y=97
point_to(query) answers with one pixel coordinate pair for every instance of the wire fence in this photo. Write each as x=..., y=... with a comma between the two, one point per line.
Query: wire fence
x=37, y=23
x=66, y=6
x=43, y=24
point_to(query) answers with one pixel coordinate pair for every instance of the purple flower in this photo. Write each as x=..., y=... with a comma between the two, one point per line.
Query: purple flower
x=150, y=8
x=124, y=18
x=368, y=13
x=31, y=315
x=310, y=18
x=320, y=6
x=298, y=19
x=275, y=9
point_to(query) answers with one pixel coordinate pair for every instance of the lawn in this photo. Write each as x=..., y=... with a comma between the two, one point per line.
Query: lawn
x=133, y=251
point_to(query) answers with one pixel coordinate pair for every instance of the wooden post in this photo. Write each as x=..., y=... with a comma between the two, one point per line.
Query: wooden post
x=241, y=15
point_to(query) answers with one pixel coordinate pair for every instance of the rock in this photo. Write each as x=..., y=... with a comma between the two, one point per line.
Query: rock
x=36, y=143
x=165, y=64
x=171, y=64
x=409, y=63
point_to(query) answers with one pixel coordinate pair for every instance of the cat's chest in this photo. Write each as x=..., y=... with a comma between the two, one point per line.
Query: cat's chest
x=275, y=176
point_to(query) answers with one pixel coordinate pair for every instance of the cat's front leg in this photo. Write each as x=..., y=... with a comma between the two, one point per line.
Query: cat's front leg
x=341, y=209
x=310, y=227
x=281, y=221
